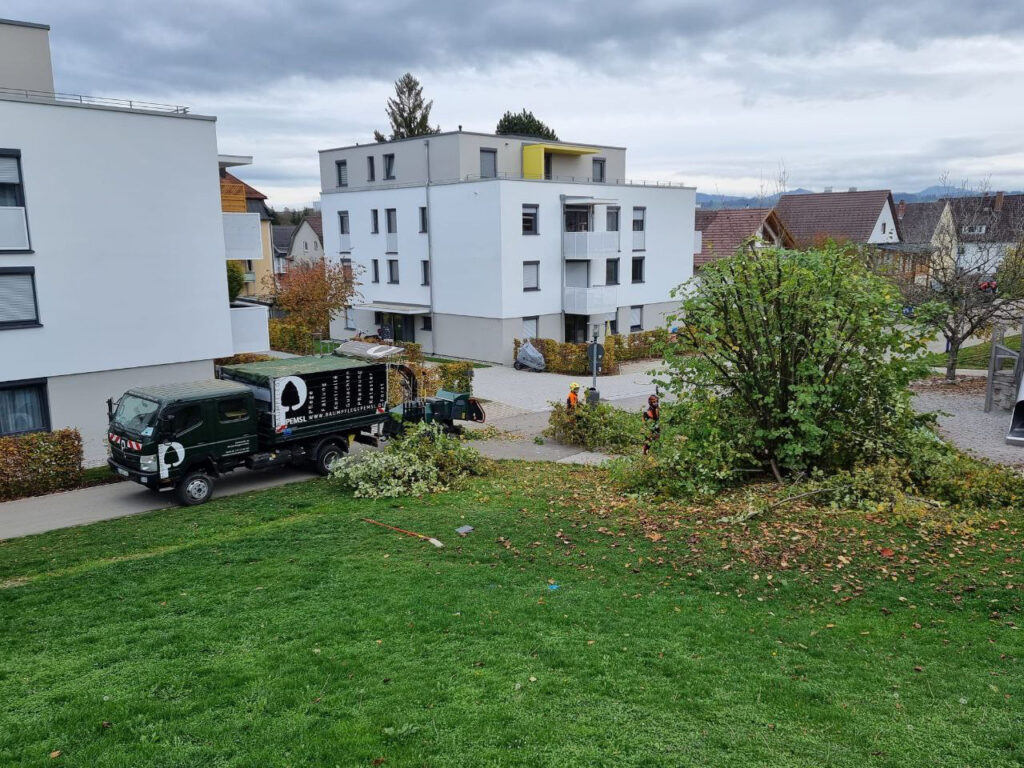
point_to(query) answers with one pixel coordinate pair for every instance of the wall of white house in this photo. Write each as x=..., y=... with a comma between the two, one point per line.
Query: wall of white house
x=306, y=246
x=145, y=288
x=885, y=227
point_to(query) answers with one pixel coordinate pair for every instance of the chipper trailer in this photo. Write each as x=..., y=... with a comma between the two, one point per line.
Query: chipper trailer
x=302, y=410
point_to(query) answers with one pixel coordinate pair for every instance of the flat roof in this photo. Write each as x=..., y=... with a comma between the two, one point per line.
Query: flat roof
x=127, y=106
x=534, y=139
x=291, y=366
x=32, y=24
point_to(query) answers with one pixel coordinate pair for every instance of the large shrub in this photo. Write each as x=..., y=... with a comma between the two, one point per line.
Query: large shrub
x=423, y=460
x=40, y=462
x=596, y=428
x=800, y=359
x=455, y=376
x=289, y=337
x=236, y=280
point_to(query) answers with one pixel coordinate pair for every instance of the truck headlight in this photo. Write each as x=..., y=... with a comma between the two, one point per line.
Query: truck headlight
x=148, y=463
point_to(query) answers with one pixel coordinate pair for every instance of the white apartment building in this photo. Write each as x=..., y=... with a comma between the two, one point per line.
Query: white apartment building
x=467, y=241
x=112, y=249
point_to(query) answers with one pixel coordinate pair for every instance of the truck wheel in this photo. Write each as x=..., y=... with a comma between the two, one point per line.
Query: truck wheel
x=195, y=488
x=327, y=455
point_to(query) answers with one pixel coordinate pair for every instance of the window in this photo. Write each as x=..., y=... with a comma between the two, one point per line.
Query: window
x=343, y=222
x=425, y=269
x=883, y=227
x=371, y=171
x=374, y=222
x=612, y=219
x=488, y=163
x=423, y=218
x=613, y=326
x=611, y=272
x=529, y=327
x=598, y=174
x=531, y=275
x=14, y=229
x=232, y=409
x=427, y=323
x=305, y=245
x=23, y=407
x=341, y=166
x=393, y=271
x=346, y=268
x=389, y=166
x=376, y=271
x=639, y=219
x=636, y=319
x=531, y=213
x=975, y=229
x=18, y=307
x=350, y=319
x=391, y=220
x=187, y=418
x=638, y=269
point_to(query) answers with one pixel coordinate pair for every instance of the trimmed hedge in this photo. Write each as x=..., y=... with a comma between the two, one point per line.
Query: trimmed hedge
x=570, y=358
x=456, y=377
x=39, y=463
x=241, y=359
x=642, y=345
x=289, y=337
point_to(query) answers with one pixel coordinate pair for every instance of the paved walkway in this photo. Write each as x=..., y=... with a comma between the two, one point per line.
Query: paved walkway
x=963, y=421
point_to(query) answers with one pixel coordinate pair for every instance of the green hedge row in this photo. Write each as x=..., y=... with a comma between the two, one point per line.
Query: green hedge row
x=40, y=462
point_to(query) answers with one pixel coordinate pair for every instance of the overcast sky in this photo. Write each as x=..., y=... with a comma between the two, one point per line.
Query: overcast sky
x=717, y=94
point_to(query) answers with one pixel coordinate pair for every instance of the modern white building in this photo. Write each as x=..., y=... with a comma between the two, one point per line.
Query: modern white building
x=466, y=241
x=112, y=250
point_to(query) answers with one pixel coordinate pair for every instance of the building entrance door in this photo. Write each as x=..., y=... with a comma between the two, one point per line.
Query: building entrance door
x=399, y=327
x=576, y=328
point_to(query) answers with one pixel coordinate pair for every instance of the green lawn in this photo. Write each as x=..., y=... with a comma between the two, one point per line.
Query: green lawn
x=276, y=629
x=975, y=355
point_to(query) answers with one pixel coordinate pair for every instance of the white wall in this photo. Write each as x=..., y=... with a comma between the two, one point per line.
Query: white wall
x=884, y=218
x=25, y=57
x=125, y=220
x=249, y=329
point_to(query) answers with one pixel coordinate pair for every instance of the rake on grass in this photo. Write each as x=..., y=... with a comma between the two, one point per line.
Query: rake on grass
x=433, y=541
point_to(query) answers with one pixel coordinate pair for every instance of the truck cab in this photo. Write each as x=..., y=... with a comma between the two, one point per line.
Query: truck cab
x=182, y=436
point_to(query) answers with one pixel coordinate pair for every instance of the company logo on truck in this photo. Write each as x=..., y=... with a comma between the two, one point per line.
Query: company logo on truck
x=169, y=456
x=290, y=395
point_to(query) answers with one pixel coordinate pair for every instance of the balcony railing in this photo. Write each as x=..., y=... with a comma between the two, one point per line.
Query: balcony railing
x=13, y=229
x=597, y=300
x=242, y=238
x=249, y=331
x=391, y=242
x=583, y=245
x=639, y=241
x=249, y=277
x=345, y=243
x=51, y=97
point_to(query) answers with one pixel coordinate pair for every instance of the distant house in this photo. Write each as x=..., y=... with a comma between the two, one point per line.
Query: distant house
x=987, y=227
x=720, y=232
x=927, y=230
x=282, y=239
x=238, y=197
x=307, y=243
x=867, y=217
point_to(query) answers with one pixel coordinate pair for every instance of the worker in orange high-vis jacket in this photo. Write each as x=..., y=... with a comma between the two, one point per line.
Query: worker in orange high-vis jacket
x=652, y=421
x=574, y=397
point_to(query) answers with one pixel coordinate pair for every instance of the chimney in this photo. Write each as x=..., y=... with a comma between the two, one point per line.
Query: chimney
x=901, y=209
x=852, y=189
x=828, y=190
x=997, y=206
x=25, y=56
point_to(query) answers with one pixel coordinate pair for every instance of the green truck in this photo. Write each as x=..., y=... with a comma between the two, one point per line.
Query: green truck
x=304, y=410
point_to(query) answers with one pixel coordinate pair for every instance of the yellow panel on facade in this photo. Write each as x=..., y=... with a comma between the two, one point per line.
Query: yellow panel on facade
x=232, y=197
x=533, y=156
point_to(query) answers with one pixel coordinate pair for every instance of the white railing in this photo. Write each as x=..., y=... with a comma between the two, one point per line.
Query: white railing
x=582, y=245
x=280, y=265
x=249, y=329
x=597, y=300
x=345, y=243
x=94, y=101
x=249, y=277
x=391, y=242
x=639, y=241
x=242, y=238
x=13, y=229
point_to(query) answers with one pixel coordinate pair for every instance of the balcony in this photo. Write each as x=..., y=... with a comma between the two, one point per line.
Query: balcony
x=639, y=240
x=249, y=329
x=242, y=238
x=345, y=243
x=391, y=242
x=13, y=229
x=585, y=245
x=597, y=300
x=249, y=277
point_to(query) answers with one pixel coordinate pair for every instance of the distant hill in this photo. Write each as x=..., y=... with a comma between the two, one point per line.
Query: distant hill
x=705, y=200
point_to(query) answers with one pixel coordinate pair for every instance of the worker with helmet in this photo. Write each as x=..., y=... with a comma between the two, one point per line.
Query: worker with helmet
x=652, y=418
x=573, y=399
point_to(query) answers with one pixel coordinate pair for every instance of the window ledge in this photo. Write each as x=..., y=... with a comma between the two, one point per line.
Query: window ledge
x=393, y=282
x=531, y=233
x=16, y=250
x=637, y=282
x=530, y=290
x=12, y=326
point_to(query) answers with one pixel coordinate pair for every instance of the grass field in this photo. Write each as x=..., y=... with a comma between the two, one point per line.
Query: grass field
x=276, y=629
x=973, y=356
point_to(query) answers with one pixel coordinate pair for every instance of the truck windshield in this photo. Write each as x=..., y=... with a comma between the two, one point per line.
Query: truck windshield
x=135, y=413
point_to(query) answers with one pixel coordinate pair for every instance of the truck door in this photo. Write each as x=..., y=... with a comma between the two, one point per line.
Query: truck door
x=235, y=426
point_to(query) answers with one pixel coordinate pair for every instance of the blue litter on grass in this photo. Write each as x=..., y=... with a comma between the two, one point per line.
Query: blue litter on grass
x=553, y=586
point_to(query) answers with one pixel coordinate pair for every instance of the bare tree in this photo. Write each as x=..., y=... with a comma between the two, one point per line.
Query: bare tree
x=975, y=266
